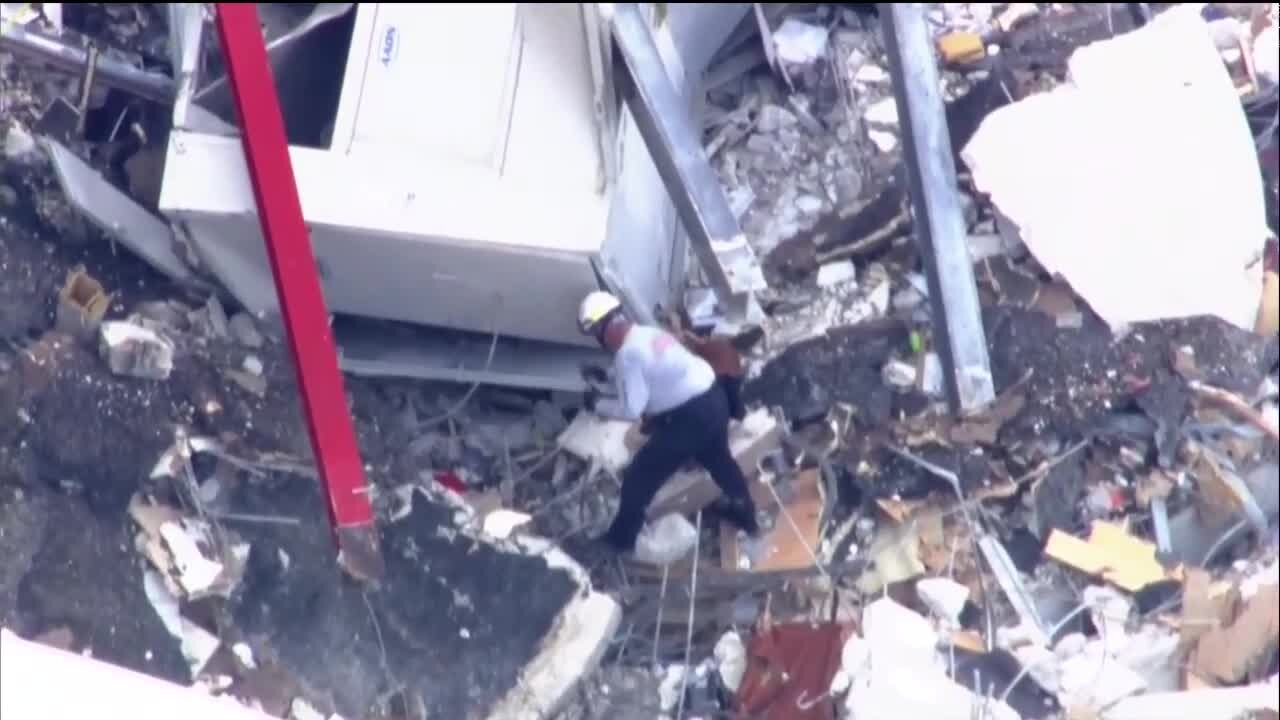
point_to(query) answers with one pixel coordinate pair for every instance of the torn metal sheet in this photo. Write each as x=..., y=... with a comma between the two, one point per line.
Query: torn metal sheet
x=116, y=213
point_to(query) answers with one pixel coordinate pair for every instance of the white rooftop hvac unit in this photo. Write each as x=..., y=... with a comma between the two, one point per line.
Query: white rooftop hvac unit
x=464, y=166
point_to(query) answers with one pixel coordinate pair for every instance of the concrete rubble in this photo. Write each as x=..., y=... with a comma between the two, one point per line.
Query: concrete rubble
x=1100, y=542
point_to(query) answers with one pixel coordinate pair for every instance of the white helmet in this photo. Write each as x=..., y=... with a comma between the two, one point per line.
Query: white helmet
x=596, y=308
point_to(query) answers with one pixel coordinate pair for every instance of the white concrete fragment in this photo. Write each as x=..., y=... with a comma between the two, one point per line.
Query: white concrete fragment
x=95, y=689
x=871, y=74
x=895, y=632
x=571, y=649
x=1106, y=196
x=591, y=437
x=300, y=709
x=1201, y=704
x=882, y=113
x=895, y=672
x=252, y=365
x=944, y=597
x=985, y=245
x=19, y=146
x=1088, y=680
x=244, y=654
x=669, y=689
x=809, y=204
x=836, y=273
x=799, y=43
x=1266, y=55
x=1269, y=575
x=932, y=382
x=899, y=374
x=135, y=351
x=501, y=523
x=885, y=141
x=731, y=660
x=196, y=573
x=666, y=541
x=1110, y=611
x=197, y=644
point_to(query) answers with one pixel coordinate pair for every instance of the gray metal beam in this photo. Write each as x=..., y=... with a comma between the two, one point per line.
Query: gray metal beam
x=111, y=72
x=676, y=148
x=939, y=222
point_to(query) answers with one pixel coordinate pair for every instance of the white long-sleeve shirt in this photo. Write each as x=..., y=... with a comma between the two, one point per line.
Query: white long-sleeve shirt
x=655, y=373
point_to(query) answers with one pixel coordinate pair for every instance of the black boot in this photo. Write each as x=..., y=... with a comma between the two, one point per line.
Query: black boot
x=739, y=511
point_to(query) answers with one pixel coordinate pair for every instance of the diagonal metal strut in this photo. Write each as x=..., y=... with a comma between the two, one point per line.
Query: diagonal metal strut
x=663, y=119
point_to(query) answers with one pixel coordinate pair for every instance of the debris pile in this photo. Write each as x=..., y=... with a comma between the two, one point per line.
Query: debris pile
x=1099, y=542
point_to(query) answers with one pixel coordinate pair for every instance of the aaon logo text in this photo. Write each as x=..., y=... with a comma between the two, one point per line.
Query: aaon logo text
x=390, y=46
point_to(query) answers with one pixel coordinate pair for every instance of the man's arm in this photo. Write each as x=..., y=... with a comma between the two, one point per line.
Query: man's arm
x=633, y=389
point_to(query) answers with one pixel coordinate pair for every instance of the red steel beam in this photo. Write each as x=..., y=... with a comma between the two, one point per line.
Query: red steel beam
x=324, y=401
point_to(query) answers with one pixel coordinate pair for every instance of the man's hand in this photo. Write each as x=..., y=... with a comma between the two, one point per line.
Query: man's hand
x=589, y=399
x=594, y=373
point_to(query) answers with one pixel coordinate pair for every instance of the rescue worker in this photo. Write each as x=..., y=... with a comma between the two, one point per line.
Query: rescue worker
x=675, y=394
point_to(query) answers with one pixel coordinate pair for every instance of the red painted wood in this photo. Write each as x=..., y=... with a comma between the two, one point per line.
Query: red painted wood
x=333, y=438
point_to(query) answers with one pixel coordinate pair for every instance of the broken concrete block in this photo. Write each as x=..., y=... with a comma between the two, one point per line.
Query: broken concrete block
x=773, y=118
x=731, y=660
x=932, y=382
x=571, y=650
x=885, y=141
x=135, y=351
x=19, y=146
x=799, y=43
x=501, y=523
x=836, y=273
x=899, y=374
x=944, y=597
x=871, y=74
x=198, y=644
x=883, y=113
x=245, y=330
x=895, y=671
x=252, y=365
